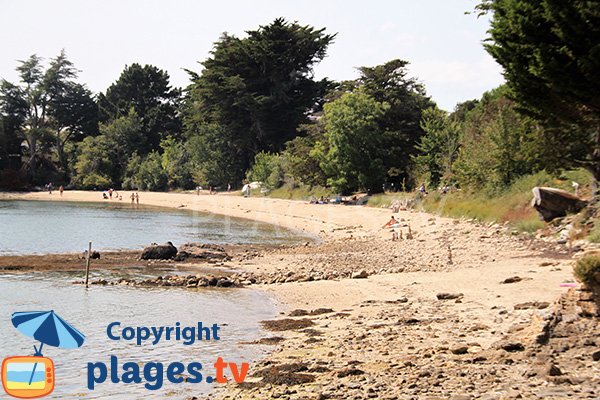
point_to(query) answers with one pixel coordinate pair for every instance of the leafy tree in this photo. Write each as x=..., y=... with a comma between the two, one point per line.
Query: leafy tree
x=406, y=98
x=352, y=151
x=497, y=144
x=107, y=155
x=176, y=164
x=48, y=108
x=268, y=169
x=549, y=52
x=94, y=168
x=299, y=163
x=258, y=89
x=438, y=148
x=145, y=173
x=146, y=90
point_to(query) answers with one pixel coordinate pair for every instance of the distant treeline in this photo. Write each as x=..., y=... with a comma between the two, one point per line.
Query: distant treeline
x=256, y=113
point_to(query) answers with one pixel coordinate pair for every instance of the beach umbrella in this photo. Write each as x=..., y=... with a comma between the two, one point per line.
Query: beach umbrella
x=48, y=328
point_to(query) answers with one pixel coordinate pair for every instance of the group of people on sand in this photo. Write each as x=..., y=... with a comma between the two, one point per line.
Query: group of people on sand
x=321, y=200
x=108, y=195
x=50, y=187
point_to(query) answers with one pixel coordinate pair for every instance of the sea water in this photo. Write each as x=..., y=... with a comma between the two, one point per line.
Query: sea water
x=40, y=227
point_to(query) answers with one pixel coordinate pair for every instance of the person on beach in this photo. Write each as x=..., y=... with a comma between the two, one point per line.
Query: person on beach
x=61, y=189
x=394, y=224
x=228, y=187
x=137, y=198
x=110, y=192
x=132, y=197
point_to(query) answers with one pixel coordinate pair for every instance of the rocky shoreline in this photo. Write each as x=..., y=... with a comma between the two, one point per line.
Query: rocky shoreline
x=459, y=311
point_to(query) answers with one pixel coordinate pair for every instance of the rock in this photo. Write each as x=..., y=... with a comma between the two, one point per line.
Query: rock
x=554, y=203
x=159, y=252
x=360, y=274
x=203, y=251
x=460, y=350
x=449, y=296
x=539, y=305
x=511, y=347
x=596, y=356
x=553, y=370
x=512, y=279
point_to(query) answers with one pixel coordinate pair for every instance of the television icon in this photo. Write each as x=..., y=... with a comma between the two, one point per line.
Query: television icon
x=28, y=377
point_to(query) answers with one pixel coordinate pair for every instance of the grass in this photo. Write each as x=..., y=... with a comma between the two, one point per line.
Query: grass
x=384, y=200
x=301, y=193
x=594, y=234
x=511, y=205
x=587, y=269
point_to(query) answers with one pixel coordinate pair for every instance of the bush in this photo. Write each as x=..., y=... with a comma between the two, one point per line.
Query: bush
x=587, y=269
x=267, y=169
x=145, y=174
x=594, y=235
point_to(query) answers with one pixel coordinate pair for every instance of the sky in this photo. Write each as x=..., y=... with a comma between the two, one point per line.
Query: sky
x=442, y=44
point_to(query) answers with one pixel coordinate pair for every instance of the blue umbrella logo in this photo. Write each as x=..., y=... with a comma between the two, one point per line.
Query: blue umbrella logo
x=49, y=329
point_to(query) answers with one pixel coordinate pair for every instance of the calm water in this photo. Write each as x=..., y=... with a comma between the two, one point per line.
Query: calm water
x=28, y=227
x=238, y=311
x=44, y=227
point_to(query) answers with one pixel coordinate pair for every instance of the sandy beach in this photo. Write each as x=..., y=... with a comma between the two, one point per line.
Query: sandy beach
x=460, y=310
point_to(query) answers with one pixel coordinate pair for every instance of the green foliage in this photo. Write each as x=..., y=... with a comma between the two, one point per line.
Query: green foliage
x=438, y=148
x=496, y=145
x=47, y=109
x=406, y=99
x=256, y=90
x=352, y=150
x=106, y=155
x=385, y=200
x=176, y=164
x=94, y=168
x=594, y=235
x=299, y=163
x=146, y=90
x=301, y=192
x=549, y=52
x=587, y=269
x=213, y=162
x=145, y=173
x=267, y=169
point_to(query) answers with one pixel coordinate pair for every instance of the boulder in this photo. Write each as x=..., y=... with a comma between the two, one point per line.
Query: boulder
x=159, y=252
x=202, y=251
x=554, y=203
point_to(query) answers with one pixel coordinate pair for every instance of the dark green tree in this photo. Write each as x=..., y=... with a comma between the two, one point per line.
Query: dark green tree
x=551, y=59
x=389, y=83
x=47, y=109
x=146, y=90
x=258, y=89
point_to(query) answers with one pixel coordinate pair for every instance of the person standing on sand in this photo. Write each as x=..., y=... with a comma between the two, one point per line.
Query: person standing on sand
x=137, y=198
x=61, y=189
x=132, y=197
x=394, y=224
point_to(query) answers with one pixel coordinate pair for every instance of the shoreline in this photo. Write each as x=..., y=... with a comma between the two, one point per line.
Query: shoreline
x=391, y=332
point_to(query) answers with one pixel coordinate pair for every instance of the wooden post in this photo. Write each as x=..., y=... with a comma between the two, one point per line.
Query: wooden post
x=87, y=265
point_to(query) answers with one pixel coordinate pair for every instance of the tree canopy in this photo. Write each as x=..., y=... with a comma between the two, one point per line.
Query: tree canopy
x=550, y=55
x=259, y=88
x=146, y=90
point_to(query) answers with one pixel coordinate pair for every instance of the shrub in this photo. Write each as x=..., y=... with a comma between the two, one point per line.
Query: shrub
x=587, y=269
